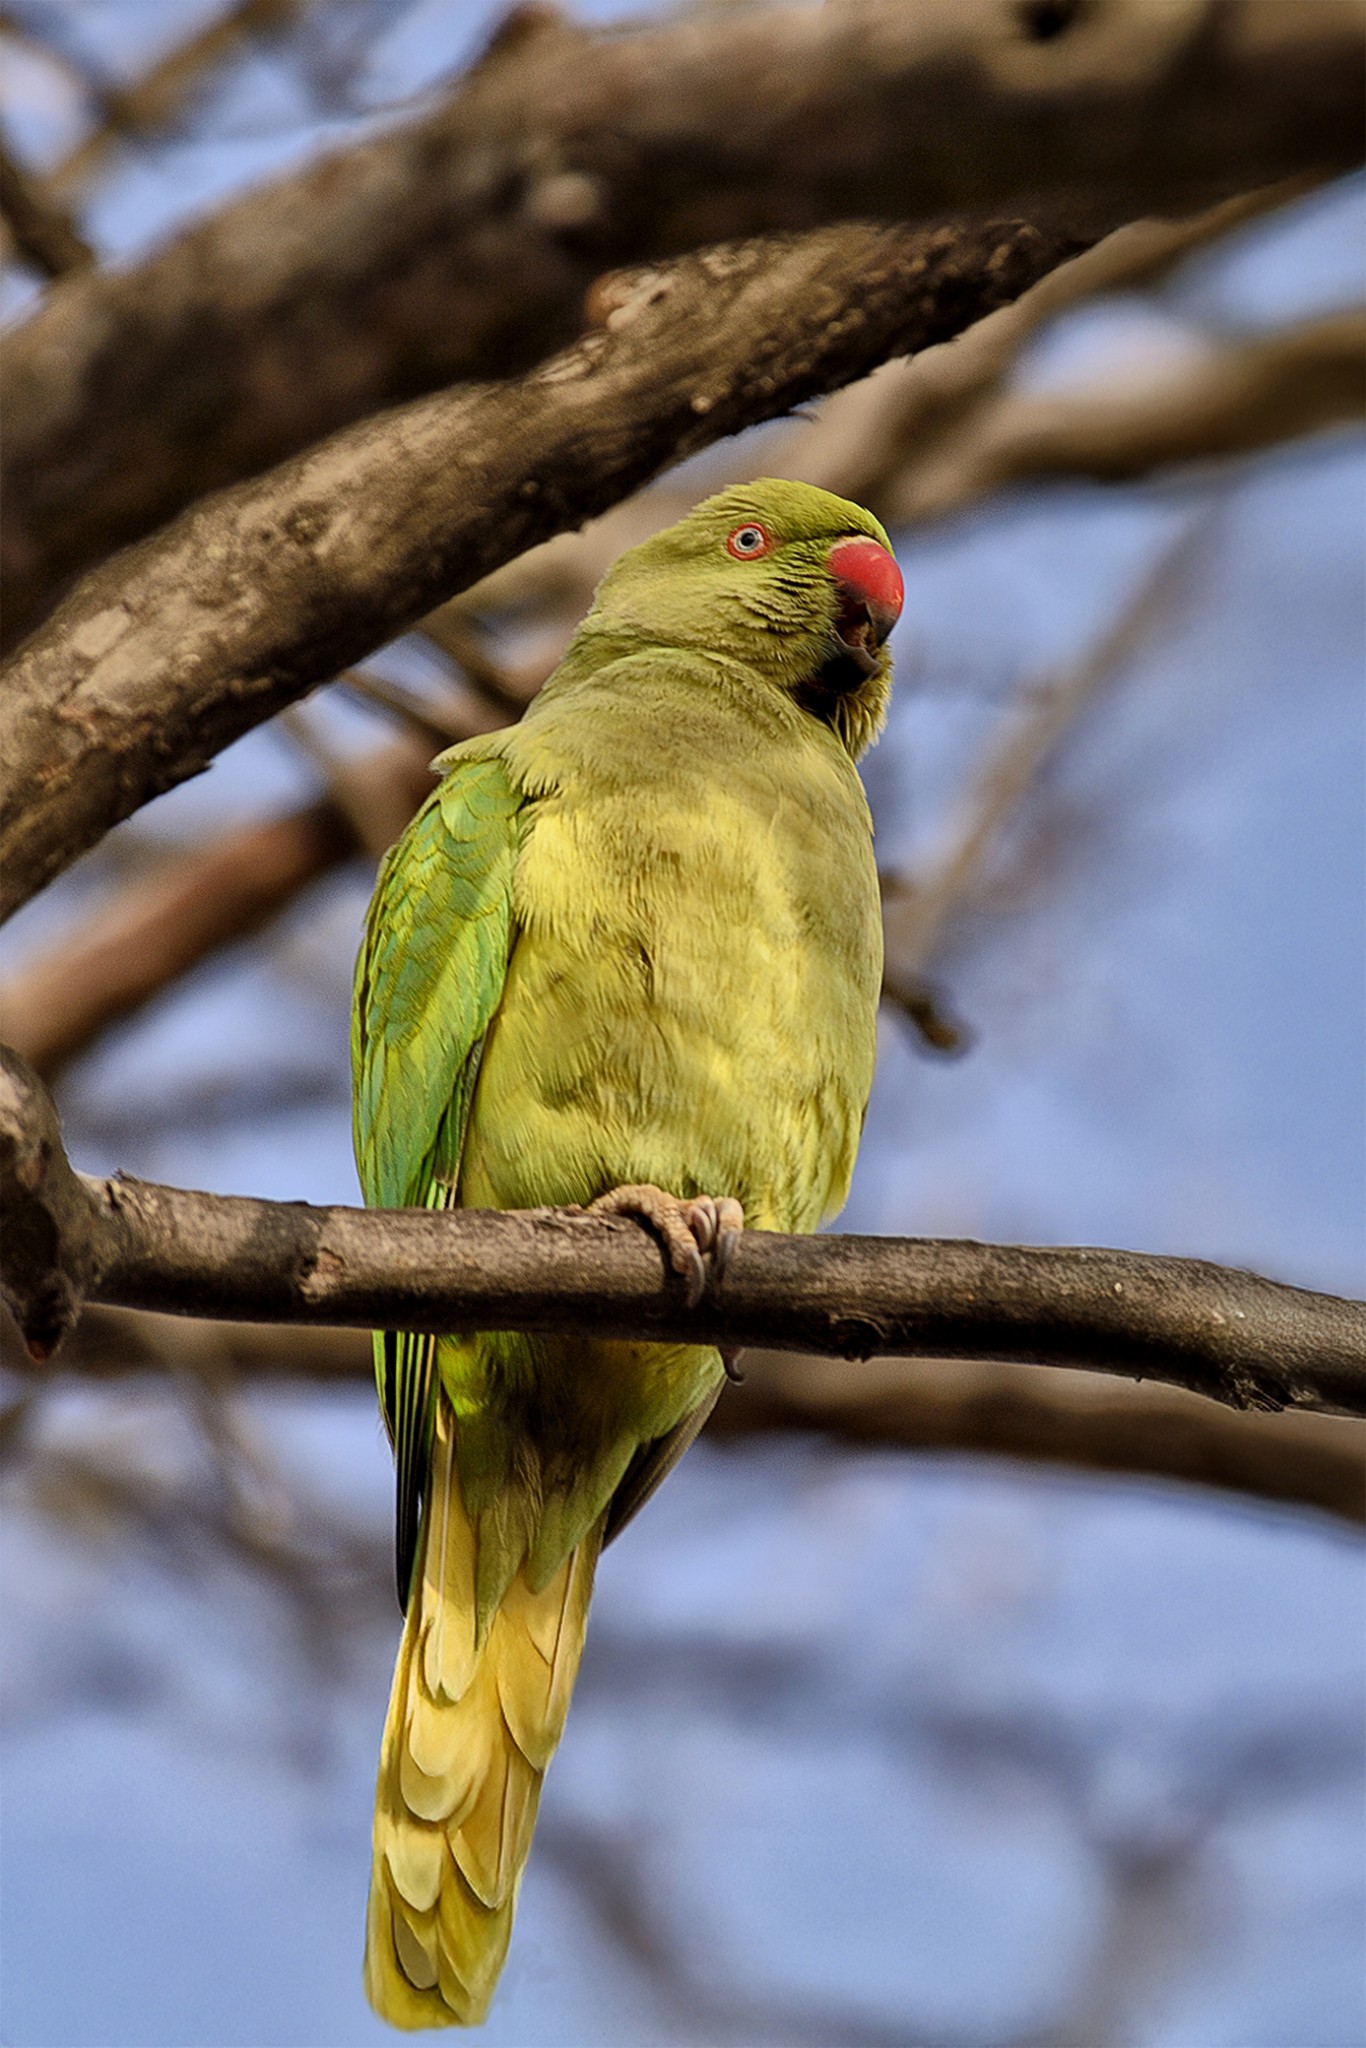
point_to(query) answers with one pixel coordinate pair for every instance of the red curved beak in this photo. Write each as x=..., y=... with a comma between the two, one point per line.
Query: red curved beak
x=871, y=595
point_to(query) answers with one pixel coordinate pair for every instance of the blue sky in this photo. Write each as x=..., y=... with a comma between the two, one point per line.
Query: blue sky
x=875, y=1735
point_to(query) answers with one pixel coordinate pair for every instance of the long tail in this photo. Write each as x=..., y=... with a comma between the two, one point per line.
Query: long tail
x=471, y=1728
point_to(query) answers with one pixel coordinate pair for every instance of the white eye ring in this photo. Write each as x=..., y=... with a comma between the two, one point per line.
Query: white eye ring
x=748, y=541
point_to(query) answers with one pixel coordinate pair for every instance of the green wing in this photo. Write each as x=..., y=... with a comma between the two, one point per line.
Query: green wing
x=428, y=981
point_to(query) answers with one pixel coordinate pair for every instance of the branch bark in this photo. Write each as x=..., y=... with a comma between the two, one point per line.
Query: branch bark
x=162, y=656
x=462, y=245
x=1234, y=1336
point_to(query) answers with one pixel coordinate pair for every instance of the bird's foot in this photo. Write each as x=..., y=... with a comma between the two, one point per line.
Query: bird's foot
x=688, y=1228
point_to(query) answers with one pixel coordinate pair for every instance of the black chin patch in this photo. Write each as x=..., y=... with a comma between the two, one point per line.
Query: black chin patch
x=849, y=666
x=845, y=669
x=822, y=693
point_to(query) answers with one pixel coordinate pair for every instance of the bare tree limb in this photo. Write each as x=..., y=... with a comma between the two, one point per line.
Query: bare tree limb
x=864, y=437
x=42, y=231
x=165, y=654
x=1230, y=1335
x=462, y=244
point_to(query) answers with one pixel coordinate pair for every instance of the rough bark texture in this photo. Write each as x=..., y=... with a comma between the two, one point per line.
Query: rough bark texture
x=462, y=244
x=165, y=654
x=1233, y=1336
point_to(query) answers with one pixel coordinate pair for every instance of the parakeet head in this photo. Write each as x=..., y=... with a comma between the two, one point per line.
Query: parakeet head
x=798, y=585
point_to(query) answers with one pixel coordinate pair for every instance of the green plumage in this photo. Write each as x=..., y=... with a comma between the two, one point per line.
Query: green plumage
x=635, y=938
x=428, y=980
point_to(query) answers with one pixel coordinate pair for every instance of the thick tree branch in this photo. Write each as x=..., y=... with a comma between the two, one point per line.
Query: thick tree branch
x=863, y=437
x=165, y=654
x=1233, y=1336
x=462, y=244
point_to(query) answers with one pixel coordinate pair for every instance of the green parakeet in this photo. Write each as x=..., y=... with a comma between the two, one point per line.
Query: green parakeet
x=632, y=944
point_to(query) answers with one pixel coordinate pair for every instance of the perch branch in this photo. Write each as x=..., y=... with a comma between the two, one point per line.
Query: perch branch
x=462, y=244
x=1234, y=1336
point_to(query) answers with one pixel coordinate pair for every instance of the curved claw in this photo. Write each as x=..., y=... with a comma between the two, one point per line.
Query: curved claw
x=730, y=1221
x=688, y=1228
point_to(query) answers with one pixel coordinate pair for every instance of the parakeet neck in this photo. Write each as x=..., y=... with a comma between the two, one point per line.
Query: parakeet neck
x=778, y=703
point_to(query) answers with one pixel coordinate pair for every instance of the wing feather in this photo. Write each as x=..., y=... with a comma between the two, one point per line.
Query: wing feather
x=428, y=980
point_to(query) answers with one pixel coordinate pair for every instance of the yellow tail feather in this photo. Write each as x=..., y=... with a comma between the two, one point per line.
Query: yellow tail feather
x=470, y=1730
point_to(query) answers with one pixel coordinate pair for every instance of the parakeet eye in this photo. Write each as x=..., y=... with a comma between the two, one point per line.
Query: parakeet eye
x=748, y=541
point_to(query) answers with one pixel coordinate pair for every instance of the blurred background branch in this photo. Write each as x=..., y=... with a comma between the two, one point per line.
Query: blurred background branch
x=41, y=232
x=1033, y=1413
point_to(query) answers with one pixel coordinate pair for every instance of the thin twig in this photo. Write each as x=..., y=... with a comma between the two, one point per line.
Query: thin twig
x=436, y=720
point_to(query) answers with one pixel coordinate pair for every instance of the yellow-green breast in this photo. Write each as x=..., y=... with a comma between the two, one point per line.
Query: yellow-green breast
x=692, y=993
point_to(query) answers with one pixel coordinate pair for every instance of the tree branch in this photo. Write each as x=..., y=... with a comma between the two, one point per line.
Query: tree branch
x=162, y=656
x=862, y=437
x=43, y=234
x=1054, y=1417
x=146, y=935
x=1242, y=397
x=462, y=244
x=1233, y=1336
